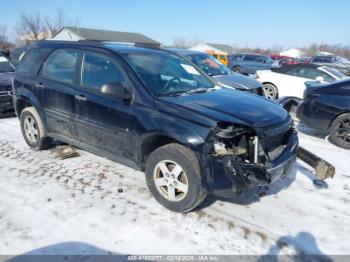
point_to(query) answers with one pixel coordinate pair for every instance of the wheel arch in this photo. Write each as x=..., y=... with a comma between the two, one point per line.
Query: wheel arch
x=176, y=134
x=269, y=83
x=21, y=104
x=153, y=141
x=235, y=66
x=25, y=98
x=336, y=116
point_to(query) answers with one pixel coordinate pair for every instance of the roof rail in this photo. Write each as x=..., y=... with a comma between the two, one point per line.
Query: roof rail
x=90, y=42
x=52, y=41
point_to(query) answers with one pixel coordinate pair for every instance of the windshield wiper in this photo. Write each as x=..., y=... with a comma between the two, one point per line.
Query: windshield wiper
x=197, y=90
x=187, y=92
x=175, y=93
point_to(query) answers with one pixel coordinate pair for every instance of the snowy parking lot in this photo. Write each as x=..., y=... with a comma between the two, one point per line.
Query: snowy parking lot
x=90, y=205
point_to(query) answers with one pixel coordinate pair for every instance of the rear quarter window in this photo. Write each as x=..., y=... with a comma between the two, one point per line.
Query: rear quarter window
x=31, y=61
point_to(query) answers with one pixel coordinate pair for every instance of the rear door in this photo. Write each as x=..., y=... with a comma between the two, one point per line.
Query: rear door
x=57, y=80
x=260, y=63
x=102, y=121
x=249, y=64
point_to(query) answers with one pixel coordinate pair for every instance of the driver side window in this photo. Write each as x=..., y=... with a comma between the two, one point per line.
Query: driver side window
x=99, y=69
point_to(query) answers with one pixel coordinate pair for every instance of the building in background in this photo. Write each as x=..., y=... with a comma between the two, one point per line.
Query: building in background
x=215, y=48
x=79, y=33
x=219, y=51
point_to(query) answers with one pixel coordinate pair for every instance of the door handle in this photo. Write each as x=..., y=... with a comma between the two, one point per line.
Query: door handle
x=80, y=98
x=39, y=85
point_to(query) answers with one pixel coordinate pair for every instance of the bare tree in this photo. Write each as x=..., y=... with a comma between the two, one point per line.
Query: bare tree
x=30, y=27
x=5, y=45
x=180, y=42
x=276, y=49
x=337, y=49
x=54, y=24
x=3, y=34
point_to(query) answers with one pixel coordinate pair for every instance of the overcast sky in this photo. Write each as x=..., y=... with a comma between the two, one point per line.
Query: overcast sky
x=263, y=23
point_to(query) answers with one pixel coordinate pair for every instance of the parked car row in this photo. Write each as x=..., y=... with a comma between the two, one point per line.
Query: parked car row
x=220, y=73
x=317, y=88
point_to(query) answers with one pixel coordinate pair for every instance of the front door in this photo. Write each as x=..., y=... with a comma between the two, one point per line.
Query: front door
x=102, y=121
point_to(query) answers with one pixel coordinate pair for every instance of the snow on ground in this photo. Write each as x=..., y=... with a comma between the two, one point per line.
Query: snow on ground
x=90, y=205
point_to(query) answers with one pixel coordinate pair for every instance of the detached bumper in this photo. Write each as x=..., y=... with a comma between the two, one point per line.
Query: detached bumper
x=230, y=175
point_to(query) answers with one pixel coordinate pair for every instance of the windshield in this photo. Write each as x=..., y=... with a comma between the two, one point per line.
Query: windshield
x=209, y=64
x=167, y=74
x=5, y=65
x=335, y=72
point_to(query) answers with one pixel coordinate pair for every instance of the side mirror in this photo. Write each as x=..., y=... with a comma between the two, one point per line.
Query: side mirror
x=320, y=79
x=116, y=90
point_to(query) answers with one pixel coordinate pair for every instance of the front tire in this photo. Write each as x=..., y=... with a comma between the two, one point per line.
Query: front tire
x=270, y=91
x=340, y=131
x=174, y=179
x=33, y=129
x=237, y=69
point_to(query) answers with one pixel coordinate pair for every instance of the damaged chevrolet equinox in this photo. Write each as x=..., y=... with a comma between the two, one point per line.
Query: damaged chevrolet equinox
x=154, y=110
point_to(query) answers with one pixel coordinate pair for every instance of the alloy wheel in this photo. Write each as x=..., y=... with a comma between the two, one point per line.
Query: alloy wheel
x=342, y=130
x=31, y=129
x=170, y=180
x=270, y=92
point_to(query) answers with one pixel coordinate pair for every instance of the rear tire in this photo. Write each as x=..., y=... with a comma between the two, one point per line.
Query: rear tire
x=174, y=179
x=270, y=91
x=33, y=129
x=237, y=69
x=340, y=131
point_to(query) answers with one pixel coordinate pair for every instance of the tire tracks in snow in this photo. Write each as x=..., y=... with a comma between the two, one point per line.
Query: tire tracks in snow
x=95, y=177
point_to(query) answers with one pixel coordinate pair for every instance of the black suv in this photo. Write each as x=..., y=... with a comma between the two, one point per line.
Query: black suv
x=158, y=110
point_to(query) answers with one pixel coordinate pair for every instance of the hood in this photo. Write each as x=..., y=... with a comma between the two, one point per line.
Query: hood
x=238, y=81
x=6, y=79
x=224, y=105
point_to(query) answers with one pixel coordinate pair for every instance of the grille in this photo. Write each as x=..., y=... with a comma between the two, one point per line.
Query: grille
x=5, y=88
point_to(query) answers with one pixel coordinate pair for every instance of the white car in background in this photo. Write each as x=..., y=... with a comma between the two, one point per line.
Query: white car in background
x=289, y=80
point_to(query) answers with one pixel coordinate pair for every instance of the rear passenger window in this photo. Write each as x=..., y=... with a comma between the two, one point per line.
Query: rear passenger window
x=61, y=65
x=309, y=73
x=99, y=69
x=250, y=58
